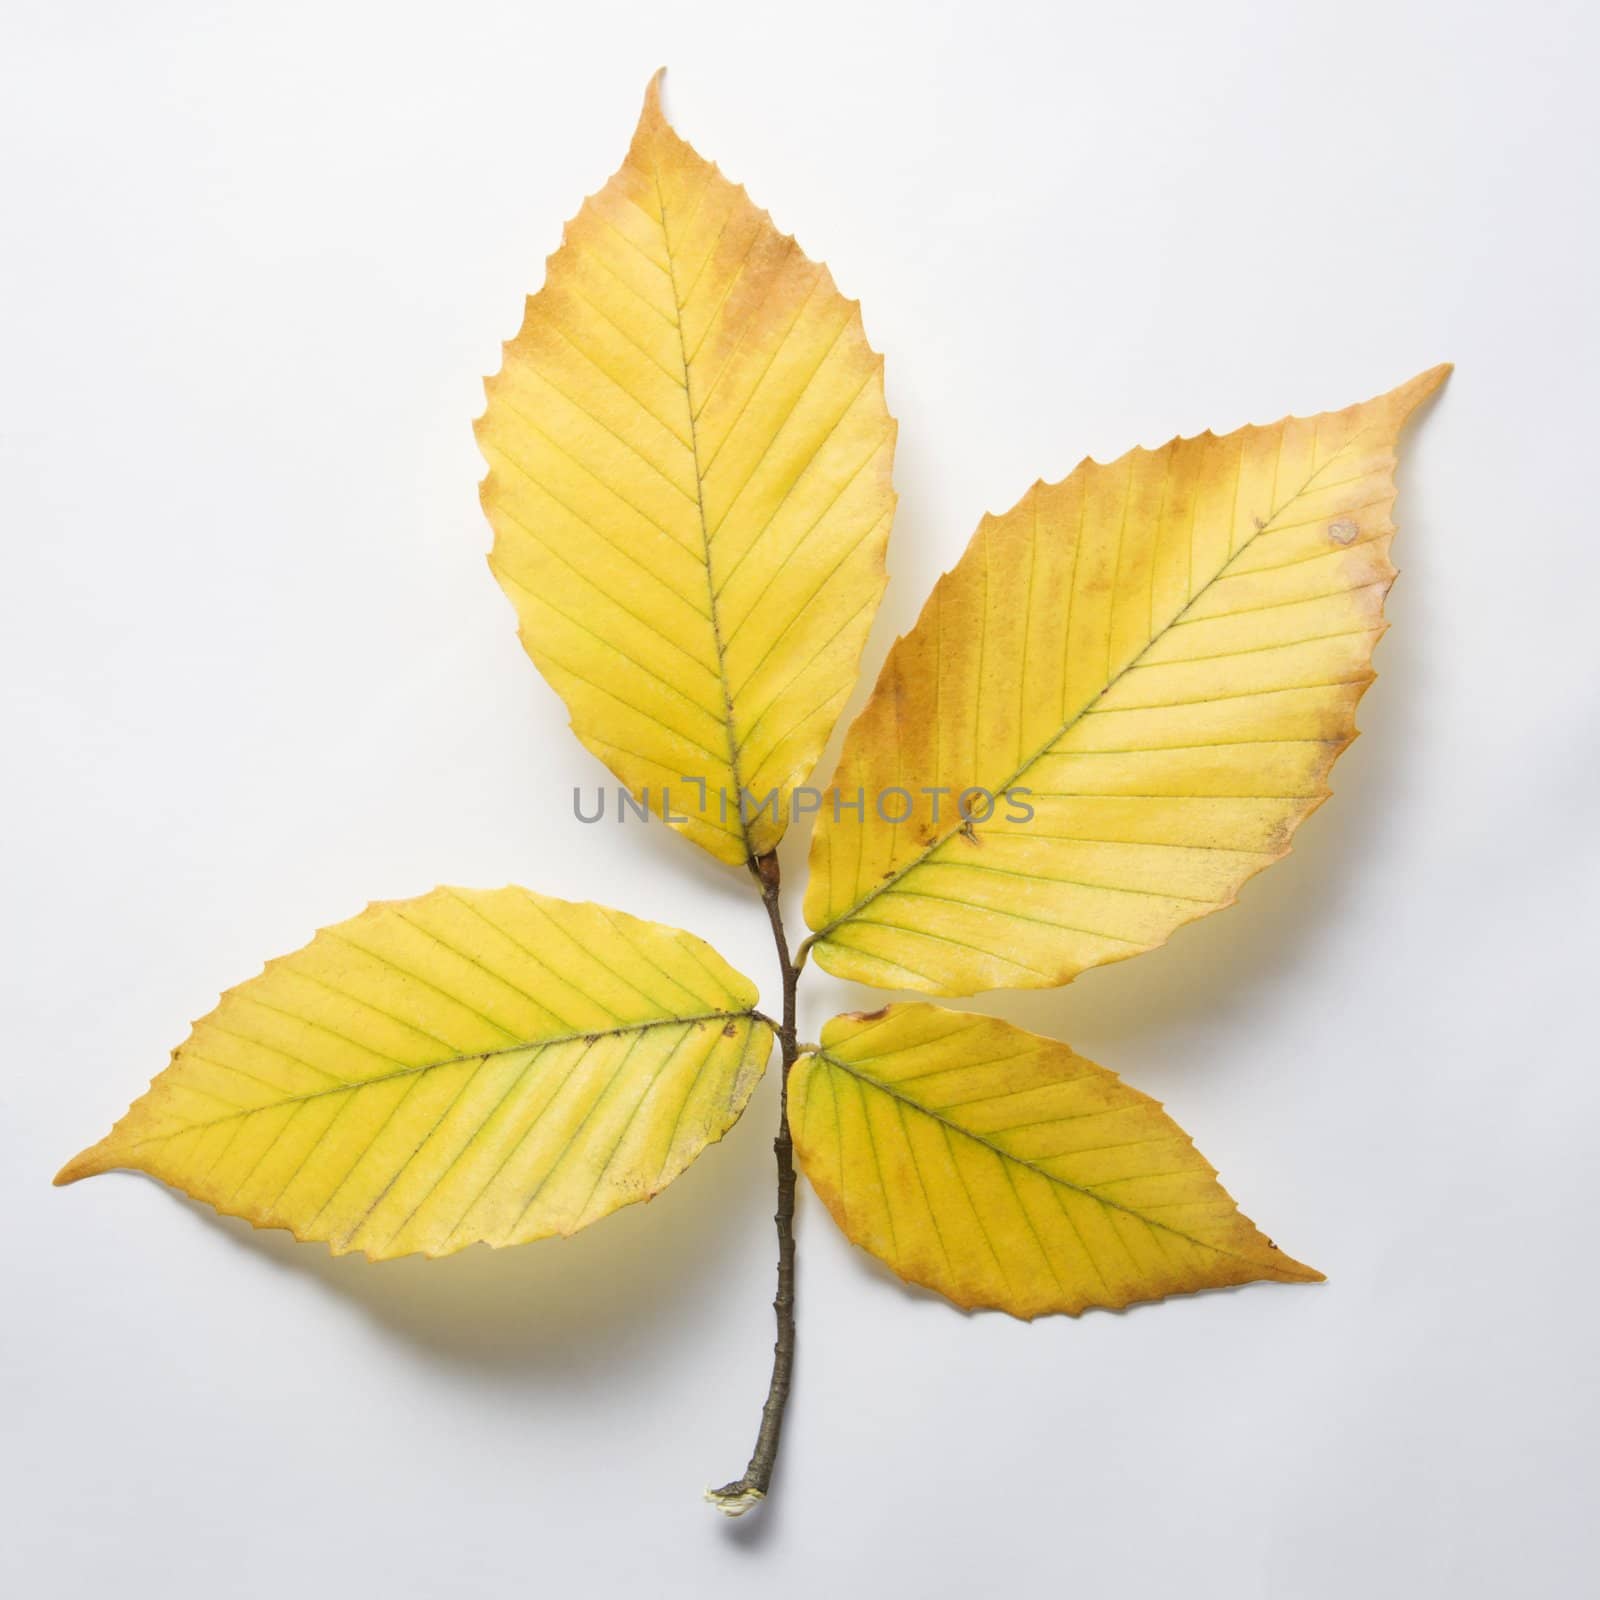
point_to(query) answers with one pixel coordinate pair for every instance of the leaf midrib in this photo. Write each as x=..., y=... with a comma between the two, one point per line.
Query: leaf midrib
x=347, y=1086
x=1009, y=1157
x=889, y=883
x=728, y=729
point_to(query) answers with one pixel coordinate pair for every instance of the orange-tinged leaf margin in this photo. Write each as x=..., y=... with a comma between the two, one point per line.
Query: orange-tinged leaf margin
x=1063, y=654
x=691, y=491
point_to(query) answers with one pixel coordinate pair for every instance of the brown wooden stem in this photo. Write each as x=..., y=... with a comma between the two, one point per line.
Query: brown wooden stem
x=737, y=1497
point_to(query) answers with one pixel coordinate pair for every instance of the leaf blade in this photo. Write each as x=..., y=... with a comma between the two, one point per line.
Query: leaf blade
x=690, y=491
x=1167, y=653
x=1005, y=1171
x=469, y=1066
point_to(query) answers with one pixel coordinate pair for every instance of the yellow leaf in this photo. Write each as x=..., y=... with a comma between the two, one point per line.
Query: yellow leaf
x=1167, y=653
x=471, y=1065
x=690, y=491
x=1004, y=1170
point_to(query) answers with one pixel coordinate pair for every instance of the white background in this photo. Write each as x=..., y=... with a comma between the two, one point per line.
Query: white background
x=255, y=673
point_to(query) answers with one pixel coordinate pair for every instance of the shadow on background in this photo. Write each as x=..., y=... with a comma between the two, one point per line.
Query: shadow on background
x=637, y=1281
x=1166, y=1004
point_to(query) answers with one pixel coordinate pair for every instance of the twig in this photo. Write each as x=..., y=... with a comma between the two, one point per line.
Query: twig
x=737, y=1497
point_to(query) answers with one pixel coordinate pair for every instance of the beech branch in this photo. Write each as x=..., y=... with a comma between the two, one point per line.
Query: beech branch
x=737, y=1497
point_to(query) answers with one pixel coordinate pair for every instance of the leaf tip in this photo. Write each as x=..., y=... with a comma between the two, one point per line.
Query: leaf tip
x=1288, y=1270
x=1410, y=395
x=86, y=1164
x=651, y=111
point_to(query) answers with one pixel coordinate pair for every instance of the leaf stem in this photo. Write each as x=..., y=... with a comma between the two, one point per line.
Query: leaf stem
x=737, y=1497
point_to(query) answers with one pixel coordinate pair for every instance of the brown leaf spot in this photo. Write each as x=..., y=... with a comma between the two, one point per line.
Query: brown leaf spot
x=731, y=1029
x=1343, y=531
x=868, y=1016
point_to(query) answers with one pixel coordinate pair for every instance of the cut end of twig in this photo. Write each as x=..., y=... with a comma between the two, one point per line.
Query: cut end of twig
x=734, y=1499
